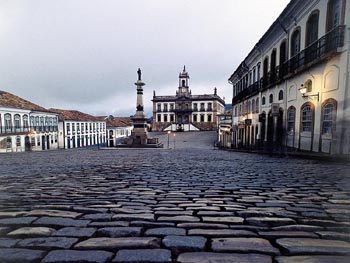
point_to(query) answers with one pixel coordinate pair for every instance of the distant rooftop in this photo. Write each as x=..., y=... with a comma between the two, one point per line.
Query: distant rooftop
x=74, y=115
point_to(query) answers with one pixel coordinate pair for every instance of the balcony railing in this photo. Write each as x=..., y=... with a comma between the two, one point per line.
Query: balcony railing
x=14, y=129
x=323, y=48
x=183, y=110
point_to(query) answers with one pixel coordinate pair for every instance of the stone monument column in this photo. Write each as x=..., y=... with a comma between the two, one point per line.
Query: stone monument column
x=139, y=133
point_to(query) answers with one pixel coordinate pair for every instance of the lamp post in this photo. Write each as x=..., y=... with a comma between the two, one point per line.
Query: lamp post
x=168, y=138
x=174, y=140
x=303, y=91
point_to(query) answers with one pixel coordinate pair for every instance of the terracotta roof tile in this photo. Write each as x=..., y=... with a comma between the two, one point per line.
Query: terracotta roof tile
x=74, y=115
x=118, y=121
x=12, y=101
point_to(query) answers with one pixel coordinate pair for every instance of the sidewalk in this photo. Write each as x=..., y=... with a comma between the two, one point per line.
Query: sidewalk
x=297, y=154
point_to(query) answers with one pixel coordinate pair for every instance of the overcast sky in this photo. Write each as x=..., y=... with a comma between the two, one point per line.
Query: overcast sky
x=84, y=54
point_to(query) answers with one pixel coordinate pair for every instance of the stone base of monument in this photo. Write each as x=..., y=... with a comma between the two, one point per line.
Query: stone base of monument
x=135, y=142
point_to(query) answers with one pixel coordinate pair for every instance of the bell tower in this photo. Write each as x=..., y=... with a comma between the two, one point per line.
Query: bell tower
x=183, y=83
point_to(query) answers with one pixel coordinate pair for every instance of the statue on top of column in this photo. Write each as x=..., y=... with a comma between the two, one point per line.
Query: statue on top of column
x=139, y=73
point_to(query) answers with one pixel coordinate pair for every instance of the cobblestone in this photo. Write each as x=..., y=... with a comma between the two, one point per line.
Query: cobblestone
x=221, y=206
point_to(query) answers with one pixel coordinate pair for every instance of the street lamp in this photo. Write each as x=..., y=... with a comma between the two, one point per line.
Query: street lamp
x=174, y=140
x=303, y=90
x=168, y=137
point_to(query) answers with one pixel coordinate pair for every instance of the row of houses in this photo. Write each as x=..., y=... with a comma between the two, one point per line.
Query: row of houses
x=25, y=126
x=292, y=89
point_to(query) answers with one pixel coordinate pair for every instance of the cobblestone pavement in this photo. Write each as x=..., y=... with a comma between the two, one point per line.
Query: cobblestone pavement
x=183, y=205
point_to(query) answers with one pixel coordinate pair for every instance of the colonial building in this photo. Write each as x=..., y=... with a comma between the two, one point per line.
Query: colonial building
x=292, y=89
x=78, y=129
x=185, y=111
x=25, y=126
x=224, y=129
x=117, y=129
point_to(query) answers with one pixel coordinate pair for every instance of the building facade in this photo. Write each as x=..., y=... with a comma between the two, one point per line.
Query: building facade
x=292, y=90
x=117, y=129
x=184, y=111
x=25, y=126
x=77, y=129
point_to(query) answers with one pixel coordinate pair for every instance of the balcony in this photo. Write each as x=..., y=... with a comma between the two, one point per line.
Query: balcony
x=14, y=130
x=320, y=50
x=183, y=110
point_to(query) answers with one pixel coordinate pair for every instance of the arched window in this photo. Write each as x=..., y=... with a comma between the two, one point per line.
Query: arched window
x=25, y=121
x=329, y=108
x=253, y=105
x=273, y=60
x=263, y=102
x=17, y=121
x=280, y=95
x=283, y=52
x=257, y=105
x=295, y=43
x=312, y=28
x=308, y=85
x=265, y=67
x=291, y=119
x=8, y=123
x=258, y=72
x=271, y=98
x=183, y=83
x=307, y=118
x=334, y=14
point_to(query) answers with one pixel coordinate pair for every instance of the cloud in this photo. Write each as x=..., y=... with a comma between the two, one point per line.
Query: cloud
x=83, y=54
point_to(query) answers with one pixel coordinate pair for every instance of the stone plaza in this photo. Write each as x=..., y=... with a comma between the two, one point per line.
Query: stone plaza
x=189, y=204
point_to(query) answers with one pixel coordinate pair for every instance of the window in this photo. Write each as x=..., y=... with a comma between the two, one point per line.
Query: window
x=266, y=67
x=257, y=105
x=195, y=106
x=202, y=107
x=183, y=83
x=171, y=106
x=17, y=121
x=249, y=106
x=25, y=122
x=159, y=118
x=306, y=118
x=312, y=28
x=32, y=141
x=291, y=119
x=90, y=127
x=165, y=118
x=328, y=116
x=37, y=122
x=263, y=100
x=258, y=72
x=273, y=60
x=334, y=14
x=271, y=98
x=159, y=107
x=8, y=143
x=295, y=43
x=8, y=123
x=18, y=141
x=38, y=140
x=254, y=74
x=202, y=117
x=283, y=52
x=32, y=121
x=210, y=107
x=165, y=107
x=171, y=117
x=280, y=95
x=68, y=128
x=209, y=117
x=73, y=128
x=236, y=111
x=195, y=117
